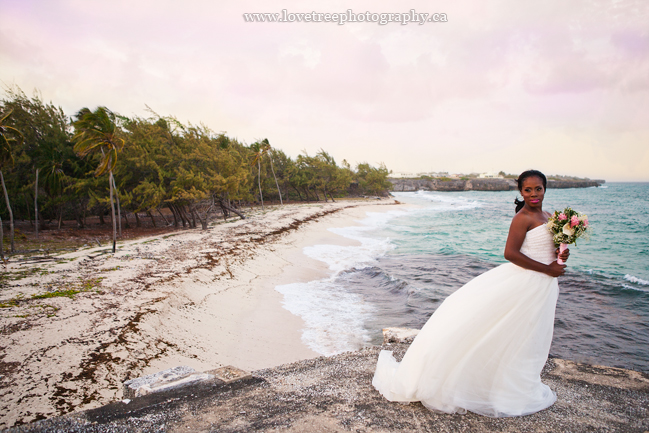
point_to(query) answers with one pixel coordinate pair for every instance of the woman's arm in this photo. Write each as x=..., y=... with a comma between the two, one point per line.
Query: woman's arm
x=517, y=231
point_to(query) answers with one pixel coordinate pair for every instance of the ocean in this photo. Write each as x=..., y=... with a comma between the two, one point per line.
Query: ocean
x=410, y=260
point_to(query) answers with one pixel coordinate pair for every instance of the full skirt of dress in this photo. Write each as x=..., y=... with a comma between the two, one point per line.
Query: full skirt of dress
x=482, y=350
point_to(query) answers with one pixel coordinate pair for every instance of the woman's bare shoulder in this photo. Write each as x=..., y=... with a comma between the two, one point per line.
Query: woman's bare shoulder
x=522, y=220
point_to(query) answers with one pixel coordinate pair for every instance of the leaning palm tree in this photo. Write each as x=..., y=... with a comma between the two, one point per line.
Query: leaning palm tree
x=96, y=132
x=52, y=157
x=258, y=152
x=8, y=135
x=265, y=145
x=261, y=148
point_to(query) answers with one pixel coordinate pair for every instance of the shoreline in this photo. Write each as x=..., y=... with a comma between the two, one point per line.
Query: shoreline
x=199, y=298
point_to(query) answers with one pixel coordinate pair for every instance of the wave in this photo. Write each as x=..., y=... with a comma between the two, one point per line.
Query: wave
x=341, y=258
x=632, y=279
x=334, y=318
x=635, y=289
x=442, y=201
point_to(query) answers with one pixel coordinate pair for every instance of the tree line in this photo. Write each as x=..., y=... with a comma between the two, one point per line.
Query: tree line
x=99, y=163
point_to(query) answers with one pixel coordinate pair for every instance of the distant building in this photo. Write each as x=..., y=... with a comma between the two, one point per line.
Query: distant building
x=433, y=174
x=490, y=175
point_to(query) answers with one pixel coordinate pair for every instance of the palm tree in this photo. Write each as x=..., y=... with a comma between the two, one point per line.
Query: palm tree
x=260, y=149
x=258, y=152
x=52, y=158
x=8, y=134
x=97, y=132
x=267, y=149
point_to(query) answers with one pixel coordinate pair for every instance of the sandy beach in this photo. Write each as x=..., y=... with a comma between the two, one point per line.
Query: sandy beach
x=76, y=325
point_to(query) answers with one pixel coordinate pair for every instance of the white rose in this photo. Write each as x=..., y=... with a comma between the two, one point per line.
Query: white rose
x=567, y=230
x=550, y=225
x=583, y=217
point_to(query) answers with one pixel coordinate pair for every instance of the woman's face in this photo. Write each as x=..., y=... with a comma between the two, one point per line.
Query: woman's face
x=533, y=192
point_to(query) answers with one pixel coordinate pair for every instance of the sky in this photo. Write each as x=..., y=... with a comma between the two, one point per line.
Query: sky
x=558, y=86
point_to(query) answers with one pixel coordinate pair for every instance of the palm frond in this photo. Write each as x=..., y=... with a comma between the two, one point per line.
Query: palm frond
x=96, y=131
x=6, y=115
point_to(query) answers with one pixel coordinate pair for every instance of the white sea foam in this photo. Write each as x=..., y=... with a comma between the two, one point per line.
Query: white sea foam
x=441, y=201
x=632, y=279
x=340, y=258
x=334, y=318
x=638, y=289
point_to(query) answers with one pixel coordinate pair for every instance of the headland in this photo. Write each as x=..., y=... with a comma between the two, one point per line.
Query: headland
x=479, y=184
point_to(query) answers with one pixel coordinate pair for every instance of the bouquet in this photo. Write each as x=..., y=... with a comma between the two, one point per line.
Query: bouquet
x=566, y=226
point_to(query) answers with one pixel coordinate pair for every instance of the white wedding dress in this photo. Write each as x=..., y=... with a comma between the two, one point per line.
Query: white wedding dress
x=485, y=346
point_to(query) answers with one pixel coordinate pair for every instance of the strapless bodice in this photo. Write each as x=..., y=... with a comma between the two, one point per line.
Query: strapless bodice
x=538, y=245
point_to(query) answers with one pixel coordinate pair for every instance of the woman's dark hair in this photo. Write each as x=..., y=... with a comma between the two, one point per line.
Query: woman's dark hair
x=524, y=175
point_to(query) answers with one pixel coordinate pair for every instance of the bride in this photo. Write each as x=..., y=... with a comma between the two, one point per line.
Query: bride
x=484, y=348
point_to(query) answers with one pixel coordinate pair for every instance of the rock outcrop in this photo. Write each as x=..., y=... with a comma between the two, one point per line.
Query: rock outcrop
x=574, y=183
x=477, y=184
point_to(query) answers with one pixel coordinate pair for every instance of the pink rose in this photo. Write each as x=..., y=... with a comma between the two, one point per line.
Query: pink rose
x=574, y=221
x=585, y=223
x=562, y=216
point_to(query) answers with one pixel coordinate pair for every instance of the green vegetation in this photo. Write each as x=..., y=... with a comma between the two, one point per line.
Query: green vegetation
x=65, y=289
x=102, y=163
x=11, y=302
x=67, y=293
x=19, y=275
x=569, y=178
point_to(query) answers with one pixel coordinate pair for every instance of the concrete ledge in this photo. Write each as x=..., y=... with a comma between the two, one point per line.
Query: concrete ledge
x=163, y=381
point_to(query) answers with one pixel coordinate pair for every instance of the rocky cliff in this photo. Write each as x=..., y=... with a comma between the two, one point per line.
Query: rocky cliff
x=479, y=184
x=574, y=183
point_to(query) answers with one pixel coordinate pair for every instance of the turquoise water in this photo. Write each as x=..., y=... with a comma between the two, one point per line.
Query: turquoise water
x=410, y=260
x=476, y=223
x=603, y=310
